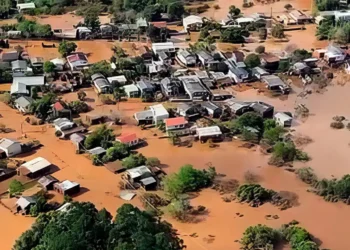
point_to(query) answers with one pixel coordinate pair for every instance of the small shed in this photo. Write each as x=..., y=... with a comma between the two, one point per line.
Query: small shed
x=77, y=139
x=283, y=119
x=132, y=91
x=24, y=203
x=212, y=109
x=205, y=133
x=138, y=173
x=34, y=168
x=97, y=151
x=264, y=109
x=67, y=187
x=10, y=147
x=115, y=167
x=47, y=182
x=149, y=183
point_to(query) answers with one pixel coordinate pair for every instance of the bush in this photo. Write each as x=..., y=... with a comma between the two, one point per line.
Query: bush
x=307, y=175
x=283, y=66
x=153, y=162
x=288, y=6
x=337, y=125
x=15, y=187
x=259, y=237
x=117, y=152
x=260, y=49
x=273, y=135
x=78, y=107
x=253, y=193
x=99, y=137
x=179, y=209
x=252, y=61
x=96, y=160
x=5, y=98
x=298, y=238
x=133, y=161
x=250, y=119
x=284, y=152
x=65, y=48
x=278, y=31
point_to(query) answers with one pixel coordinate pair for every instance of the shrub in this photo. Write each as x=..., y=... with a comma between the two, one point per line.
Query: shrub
x=179, y=209
x=96, y=160
x=307, y=175
x=117, y=152
x=133, y=161
x=15, y=187
x=252, y=61
x=259, y=237
x=278, y=31
x=337, y=125
x=298, y=237
x=250, y=119
x=260, y=49
x=5, y=98
x=99, y=137
x=78, y=107
x=153, y=162
x=253, y=193
x=285, y=152
x=273, y=135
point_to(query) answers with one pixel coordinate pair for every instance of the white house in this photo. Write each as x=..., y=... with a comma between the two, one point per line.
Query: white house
x=128, y=139
x=167, y=47
x=208, y=132
x=186, y=57
x=283, y=119
x=159, y=113
x=192, y=23
x=23, y=104
x=132, y=90
x=117, y=80
x=25, y=6
x=177, y=125
x=10, y=147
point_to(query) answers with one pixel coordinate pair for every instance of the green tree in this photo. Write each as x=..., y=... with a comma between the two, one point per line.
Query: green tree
x=234, y=11
x=41, y=107
x=176, y=10
x=179, y=208
x=298, y=238
x=78, y=107
x=119, y=93
x=101, y=136
x=102, y=67
x=49, y=67
x=152, y=12
x=273, y=135
x=234, y=35
x=133, y=161
x=259, y=237
x=325, y=30
x=15, y=187
x=153, y=162
x=65, y=48
x=118, y=151
x=307, y=175
x=278, y=31
x=323, y=5
x=253, y=193
x=252, y=61
x=250, y=119
x=300, y=55
x=284, y=151
x=91, y=18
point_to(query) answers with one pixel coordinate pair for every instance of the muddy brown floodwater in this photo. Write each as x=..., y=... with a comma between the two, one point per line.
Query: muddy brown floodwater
x=329, y=152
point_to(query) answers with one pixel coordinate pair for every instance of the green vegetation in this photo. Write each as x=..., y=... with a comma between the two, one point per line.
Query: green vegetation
x=91, y=19
x=284, y=152
x=33, y=29
x=117, y=152
x=100, y=137
x=325, y=31
x=334, y=190
x=259, y=237
x=102, y=67
x=179, y=208
x=41, y=107
x=15, y=187
x=300, y=55
x=39, y=206
x=5, y=7
x=153, y=162
x=250, y=119
x=133, y=229
x=273, y=135
x=252, y=61
x=5, y=98
x=234, y=35
x=65, y=48
x=253, y=193
x=134, y=160
x=49, y=67
x=260, y=49
x=78, y=107
x=188, y=179
x=278, y=31
x=234, y=11
x=298, y=238
x=307, y=175
x=323, y=5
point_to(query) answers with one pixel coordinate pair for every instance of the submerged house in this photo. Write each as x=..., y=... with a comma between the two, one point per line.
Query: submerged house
x=132, y=91
x=20, y=68
x=34, y=168
x=264, y=109
x=130, y=140
x=269, y=61
x=102, y=86
x=23, y=104
x=275, y=83
x=177, y=126
x=67, y=187
x=24, y=203
x=212, y=109
x=9, y=147
x=194, y=88
x=156, y=113
x=283, y=119
x=21, y=85
x=47, y=182
x=77, y=61
x=146, y=87
x=186, y=57
x=206, y=133
x=192, y=23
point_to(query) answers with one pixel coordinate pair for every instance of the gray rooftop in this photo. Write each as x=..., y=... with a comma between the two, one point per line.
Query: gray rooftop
x=273, y=80
x=148, y=181
x=192, y=83
x=6, y=143
x=97, y=151
x=205, y=55
x=19, y=64
x=24, y=101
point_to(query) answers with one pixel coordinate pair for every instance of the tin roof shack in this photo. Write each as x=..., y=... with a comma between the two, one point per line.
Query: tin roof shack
x=34, y=168
x=176, y=126
x=134, y=175
x=167, y=47
x=236, y=73
x=205, y=79
x=334, y=54
x=24, y=203
x=132, y=91
x=300, y=68
x=212, y=109
x=192, y=23
x=165, y=58
x=259, y=72
x=60, y=110
x=37, y=64
x=207, y=133
x=205, y=58
x=102, y=86
x=67, y=187
x=218, y=95
x=10, y=147
x=20, y=68
x=47, y=182
x=146, y=87
x=77, y=61
x=97, y=151
x=194, y=88
x=283, y=119
x=274, y=83
x=263, y=109
x=299, y=17
x=67, y=127
x=115, y=167
x=20, y=85
x=77, y=139
x=221, y=79
x=117, y=80
x=9, y=56
x=189, y=110
x=149, y=183
x=186, y=57
x=237, y=107
x=171, y=87
x=269, y=61
x=128, y=139
x=23, y=104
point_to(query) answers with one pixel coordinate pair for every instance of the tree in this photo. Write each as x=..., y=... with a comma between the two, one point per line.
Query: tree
x=81, y=95
x=91, y=18
x=119, y=93
x=100, y=137
x=153, y=162
x=78, y=107
x=273, y=135
x=307, y=175
x=325, y=30
x=234, y=35
x=5, y=98
x=41, y=107
x=65, y=48
x=175, y=10
x=233, y=11
x=152, y=12
x=252, y=61
x=284, y=151
x=102, y=67
x=278, y=31
x=179, y=208
x=323, y=5
x=259, y=237
x=283, y=66
x=250, y=119
x=117, y=152
x=133, y=161
x=134, y=229
x=269, y=124
x=298, y=237
x=260, y=49
x=15, y=187
x=253, y=193
x=300, y=55
x=49, y=67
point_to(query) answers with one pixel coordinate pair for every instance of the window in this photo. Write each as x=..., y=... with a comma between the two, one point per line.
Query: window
x=176, y=126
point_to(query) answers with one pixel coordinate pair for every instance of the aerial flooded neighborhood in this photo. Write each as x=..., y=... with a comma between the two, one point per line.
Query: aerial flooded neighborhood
x=170, y=125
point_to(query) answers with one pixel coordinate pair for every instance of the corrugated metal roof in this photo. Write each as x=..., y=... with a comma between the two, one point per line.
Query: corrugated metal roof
x=208, y=131
x=97, y=151
x=24, y=101
x=36, y=164
x=138, y=171
x=67, y=185
x=25, y=201
x=6, y=143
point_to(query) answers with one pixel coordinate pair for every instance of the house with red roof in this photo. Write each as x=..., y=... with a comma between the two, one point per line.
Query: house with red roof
x=61, y=110
x=77, y=61
x=128, y=139
x=177, y=125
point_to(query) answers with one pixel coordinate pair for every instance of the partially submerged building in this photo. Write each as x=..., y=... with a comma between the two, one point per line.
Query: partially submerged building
x=186, y=57
x=132, y=91
x=206, y=133
x=176, y=126
x=192, y=23
x=264, y=109
x=102, y=86
x=275, y=83
x=77, y=61
x=283, y=119
x=24, y=203
x=21, y=85
x=9, y=147
x=130, y=140
x=67, y=187
x=194, y=88
x=20, y=68
x=23, y=104
x=34, y=168
x=269, y=61
x=47, y=182
x=167, y=47
x=212, y=109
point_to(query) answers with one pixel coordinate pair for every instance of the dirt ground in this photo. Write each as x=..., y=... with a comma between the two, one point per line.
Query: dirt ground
x=101, y=186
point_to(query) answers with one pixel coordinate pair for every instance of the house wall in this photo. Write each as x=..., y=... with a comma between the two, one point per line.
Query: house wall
x=14, y=149
x=175, y=127
x=184, y=131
